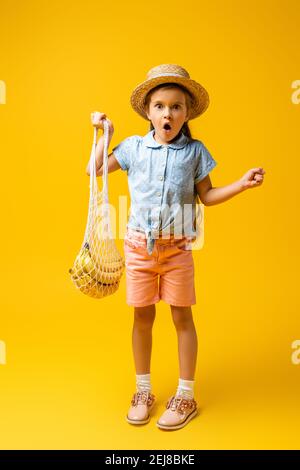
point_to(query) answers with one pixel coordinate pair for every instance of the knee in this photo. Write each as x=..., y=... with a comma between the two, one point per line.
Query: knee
x=144, y=317
x=182, y=318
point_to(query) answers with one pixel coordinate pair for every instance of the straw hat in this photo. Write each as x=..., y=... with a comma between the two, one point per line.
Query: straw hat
x=166, y=73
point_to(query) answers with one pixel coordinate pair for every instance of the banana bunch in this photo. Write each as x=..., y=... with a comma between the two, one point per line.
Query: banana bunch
x=100, y=278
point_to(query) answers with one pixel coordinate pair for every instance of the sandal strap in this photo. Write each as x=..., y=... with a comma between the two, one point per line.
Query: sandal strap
x=143, y=398
x=181, y=404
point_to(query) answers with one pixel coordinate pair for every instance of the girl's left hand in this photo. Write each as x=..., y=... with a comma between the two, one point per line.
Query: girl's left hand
x=252, y=178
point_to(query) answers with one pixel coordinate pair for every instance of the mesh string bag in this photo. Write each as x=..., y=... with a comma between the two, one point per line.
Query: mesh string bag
x=98, y=267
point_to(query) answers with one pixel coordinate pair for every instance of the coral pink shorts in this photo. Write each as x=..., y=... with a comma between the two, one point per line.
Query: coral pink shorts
x=170, y=264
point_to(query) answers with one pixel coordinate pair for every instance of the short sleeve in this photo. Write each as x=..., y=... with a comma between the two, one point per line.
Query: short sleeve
x=124, y=151
x=204, y=164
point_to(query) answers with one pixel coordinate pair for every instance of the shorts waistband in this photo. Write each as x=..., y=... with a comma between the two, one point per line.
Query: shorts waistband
x=160, y=238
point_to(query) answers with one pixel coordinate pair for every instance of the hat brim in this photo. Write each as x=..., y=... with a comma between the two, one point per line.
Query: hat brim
x=200, y=96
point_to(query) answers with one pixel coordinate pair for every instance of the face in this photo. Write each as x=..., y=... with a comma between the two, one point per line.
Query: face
x=167, y=106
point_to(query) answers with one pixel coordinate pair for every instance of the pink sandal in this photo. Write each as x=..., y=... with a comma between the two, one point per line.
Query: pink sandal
x=141, y=405
x=178, y=413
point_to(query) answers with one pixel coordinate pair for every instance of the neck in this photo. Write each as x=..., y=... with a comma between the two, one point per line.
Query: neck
x=169, y=141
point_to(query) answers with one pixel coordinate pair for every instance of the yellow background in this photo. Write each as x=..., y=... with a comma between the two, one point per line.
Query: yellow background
x=70, y=375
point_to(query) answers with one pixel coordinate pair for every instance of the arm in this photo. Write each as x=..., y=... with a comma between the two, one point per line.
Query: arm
x=210, y=196
x=112, y=165
x=99, y=155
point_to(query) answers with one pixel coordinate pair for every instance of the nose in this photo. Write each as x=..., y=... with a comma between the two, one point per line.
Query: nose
x=167, y=112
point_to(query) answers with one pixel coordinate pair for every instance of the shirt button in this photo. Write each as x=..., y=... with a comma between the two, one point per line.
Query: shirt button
x=161, y=178
x=159, y=194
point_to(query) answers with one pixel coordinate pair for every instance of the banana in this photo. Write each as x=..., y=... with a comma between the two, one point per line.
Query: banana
x=83, y=281
x=111, y=267
x=80, y=262
x=107, y=264
x=88, y=265
x=102, y=290
x=107, y=278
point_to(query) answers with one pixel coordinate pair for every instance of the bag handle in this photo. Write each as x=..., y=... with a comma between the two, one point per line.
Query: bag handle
x=93, y=178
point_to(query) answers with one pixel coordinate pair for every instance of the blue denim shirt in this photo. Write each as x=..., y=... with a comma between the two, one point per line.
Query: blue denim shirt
x=161, y=180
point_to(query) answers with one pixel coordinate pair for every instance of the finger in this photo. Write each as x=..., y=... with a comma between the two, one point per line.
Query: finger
x=254, y=183
x=256, y=170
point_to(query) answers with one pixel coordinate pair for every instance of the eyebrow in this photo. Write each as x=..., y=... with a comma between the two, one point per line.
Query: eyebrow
x=176, y=102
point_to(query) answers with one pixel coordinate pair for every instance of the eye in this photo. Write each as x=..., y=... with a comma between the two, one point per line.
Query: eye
x=175, y=105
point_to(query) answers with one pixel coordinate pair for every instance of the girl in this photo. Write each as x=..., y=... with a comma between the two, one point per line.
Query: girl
x=167, y=170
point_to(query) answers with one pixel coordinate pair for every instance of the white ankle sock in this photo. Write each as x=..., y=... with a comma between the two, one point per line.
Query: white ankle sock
x=143, y=382
x=185, y=388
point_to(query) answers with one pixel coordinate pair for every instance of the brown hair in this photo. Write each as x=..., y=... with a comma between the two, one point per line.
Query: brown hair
x=188, y=99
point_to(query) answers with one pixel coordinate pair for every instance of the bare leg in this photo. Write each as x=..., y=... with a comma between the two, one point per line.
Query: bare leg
x=187, y=341
x=142, y=337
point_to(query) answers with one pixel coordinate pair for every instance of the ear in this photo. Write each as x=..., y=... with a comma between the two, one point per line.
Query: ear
x=146, y=109
x=187, y=116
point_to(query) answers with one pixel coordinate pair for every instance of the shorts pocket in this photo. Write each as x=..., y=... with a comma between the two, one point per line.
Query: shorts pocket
x=133, y=243
x=182, y=246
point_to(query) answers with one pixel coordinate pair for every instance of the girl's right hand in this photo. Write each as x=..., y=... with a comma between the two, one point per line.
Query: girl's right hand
x=97, y=121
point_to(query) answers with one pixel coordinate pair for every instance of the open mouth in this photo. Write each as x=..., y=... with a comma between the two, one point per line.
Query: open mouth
x=167, y=127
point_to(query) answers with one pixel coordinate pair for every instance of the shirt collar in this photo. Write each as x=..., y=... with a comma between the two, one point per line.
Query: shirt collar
x=179, y=143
